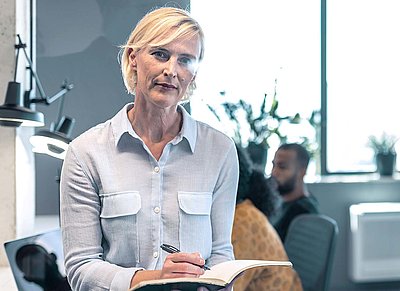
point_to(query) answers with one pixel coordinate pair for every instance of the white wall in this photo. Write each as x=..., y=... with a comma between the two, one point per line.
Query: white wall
x=17, y=176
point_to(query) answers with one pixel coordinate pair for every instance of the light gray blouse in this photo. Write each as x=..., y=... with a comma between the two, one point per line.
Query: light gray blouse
x=119, y=204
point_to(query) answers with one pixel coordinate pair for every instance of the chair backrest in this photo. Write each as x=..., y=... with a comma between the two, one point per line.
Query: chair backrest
x=310, y=244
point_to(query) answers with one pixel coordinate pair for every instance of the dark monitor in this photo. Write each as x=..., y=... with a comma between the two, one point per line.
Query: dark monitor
x=37, y=262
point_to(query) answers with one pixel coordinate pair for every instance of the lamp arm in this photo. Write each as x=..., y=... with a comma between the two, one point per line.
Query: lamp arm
x=16, y=64
x=48, y=100
x=22, y=46
x=43, y=98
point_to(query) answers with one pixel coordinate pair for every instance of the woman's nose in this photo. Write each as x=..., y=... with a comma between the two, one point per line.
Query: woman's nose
x=170, y=69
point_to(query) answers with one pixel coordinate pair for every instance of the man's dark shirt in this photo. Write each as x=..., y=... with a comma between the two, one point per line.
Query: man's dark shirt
x=289, y=210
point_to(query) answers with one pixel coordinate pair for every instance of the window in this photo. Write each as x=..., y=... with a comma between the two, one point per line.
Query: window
x=362, y=69
x=250, y=45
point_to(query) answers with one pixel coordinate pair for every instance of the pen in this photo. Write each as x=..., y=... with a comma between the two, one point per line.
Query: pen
x=171, y=249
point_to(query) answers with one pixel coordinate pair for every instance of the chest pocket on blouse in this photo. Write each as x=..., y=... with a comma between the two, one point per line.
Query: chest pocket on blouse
x=120, y=204
x=195, y=233
x=120, y=226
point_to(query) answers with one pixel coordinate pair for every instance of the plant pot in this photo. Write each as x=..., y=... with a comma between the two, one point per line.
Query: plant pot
x=258, y=154
x=385, y=163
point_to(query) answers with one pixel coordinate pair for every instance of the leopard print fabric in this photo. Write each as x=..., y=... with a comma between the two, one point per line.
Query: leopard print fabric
x=253, y=237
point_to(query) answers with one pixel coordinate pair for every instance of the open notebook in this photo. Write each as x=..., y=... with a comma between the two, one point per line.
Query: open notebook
x=218, y=277
x=37, y=262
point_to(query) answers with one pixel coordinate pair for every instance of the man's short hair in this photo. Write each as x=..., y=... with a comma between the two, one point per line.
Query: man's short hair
x=303, y=157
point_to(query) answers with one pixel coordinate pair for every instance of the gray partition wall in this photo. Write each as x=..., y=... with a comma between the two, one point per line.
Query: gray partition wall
x=78, y=41
x=334, y=200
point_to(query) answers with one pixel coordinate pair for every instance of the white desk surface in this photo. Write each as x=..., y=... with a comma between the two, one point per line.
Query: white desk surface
x=7, y=282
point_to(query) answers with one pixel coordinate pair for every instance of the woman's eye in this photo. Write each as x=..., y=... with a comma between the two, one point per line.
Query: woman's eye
x=160, y=55
x=185, y=60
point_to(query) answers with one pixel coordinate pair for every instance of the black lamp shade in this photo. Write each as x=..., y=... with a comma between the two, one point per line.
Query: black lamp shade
x=65, y=125
x=14, y=113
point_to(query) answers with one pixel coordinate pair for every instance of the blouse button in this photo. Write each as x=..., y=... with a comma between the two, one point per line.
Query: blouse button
x=156, y=169
x=155, y=254
x=156, y=209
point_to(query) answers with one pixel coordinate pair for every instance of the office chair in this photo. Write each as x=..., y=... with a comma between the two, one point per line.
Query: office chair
x=310, y=245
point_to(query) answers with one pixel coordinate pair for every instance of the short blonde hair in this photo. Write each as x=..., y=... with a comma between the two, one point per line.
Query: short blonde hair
x=158, y=28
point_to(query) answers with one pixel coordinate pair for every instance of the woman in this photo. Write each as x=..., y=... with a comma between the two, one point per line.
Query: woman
x=253, y=237
x=151, y=174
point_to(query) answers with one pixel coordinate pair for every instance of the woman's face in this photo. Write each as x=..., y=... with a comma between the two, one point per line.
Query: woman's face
x=165, y=72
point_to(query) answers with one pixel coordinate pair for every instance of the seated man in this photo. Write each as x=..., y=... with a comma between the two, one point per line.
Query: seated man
x=253, y=237
x=289, y=168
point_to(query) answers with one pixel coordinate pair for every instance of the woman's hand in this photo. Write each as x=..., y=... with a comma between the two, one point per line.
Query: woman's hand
x=182, y=265
x=175, y=265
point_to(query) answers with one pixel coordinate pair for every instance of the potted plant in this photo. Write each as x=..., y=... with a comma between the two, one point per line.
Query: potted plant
x=385, y=152
x=260, y=127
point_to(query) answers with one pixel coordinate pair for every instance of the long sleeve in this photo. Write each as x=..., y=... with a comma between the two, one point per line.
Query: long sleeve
x=82, y=235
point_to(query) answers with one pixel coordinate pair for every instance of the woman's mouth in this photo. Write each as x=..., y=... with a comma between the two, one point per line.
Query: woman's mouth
x=166, y=85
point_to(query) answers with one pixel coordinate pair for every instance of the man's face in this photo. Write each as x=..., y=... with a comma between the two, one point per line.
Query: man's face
x=285, y=170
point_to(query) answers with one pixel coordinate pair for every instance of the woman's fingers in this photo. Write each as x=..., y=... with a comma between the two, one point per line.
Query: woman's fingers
x=182, y=265
x=192, y=258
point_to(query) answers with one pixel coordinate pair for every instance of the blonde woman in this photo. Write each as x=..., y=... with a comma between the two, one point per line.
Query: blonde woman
x=151, y=174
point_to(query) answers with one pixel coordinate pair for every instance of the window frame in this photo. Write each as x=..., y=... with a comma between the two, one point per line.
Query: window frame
x=323, y=143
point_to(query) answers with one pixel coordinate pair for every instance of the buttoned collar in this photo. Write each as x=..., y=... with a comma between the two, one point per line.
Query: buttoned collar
x=120, y=125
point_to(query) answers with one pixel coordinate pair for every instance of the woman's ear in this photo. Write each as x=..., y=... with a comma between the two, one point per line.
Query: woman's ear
x=132, y=58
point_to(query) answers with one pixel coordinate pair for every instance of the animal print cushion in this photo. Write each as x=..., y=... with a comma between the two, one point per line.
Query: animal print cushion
x=253, y=237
